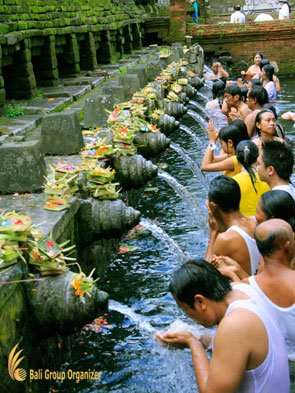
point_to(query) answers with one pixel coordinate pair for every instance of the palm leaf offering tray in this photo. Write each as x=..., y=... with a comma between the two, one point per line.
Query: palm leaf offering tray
x=14, y=228
x=106, y=191
x=14, y=222
x=98, y=149
x=101, y=175
x=48, y=257
x=60, y=187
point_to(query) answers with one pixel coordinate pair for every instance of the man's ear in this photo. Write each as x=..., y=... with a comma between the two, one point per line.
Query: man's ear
x=200, y=302
x=271, y=170
x=212, y=206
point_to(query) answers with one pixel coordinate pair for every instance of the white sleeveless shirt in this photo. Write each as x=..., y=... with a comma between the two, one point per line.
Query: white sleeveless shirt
x=254, y=253
x=284, y=315
x=272, y=376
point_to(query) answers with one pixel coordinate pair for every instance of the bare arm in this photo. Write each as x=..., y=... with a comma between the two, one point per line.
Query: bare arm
x=208, y=164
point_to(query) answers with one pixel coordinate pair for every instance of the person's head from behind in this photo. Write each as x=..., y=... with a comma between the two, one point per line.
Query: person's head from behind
x=276, y=204
x=247, y=153
x=196, y=285
x=256, y=82
x=257, y=95
x=231, y=135
x=263, y=62
x=237, y=8
x=257, y=58
x=224, y=197
x=265, y=122
x=267, y=72
x=276, y=159
x=232, y=94
x=218, y=89
x=275, y=236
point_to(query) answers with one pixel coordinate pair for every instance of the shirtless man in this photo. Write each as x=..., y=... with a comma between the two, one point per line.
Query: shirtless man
x=249, y=353
x=231, y=233
x=275, y=284
x=233, y=106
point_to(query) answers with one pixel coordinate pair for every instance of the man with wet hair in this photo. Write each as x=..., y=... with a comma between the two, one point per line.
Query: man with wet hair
x=257, y=97
x=233, y=106
x=275, y=165
x=231, y=233
x=249, y=353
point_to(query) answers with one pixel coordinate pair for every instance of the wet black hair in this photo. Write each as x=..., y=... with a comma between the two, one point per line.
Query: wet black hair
x=218, y=88
x=247, y=153
x=226, y=193
x=269, y=70
x=233, y=90
x=263, y=62
x=198, y=276
x=256, y=82
x=237, y=7
x=279, y=204
x=244, y=92
x=280, y=156
x=236, y=131
x=260, y=94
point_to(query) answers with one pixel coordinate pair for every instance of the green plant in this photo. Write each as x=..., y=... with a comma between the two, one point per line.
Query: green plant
x=13, y=110
x=39, y=94
x=123, y=70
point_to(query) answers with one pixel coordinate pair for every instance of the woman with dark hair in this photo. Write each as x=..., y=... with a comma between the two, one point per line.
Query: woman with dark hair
x=250, y=185
x=229, y=137
x=213, y=107
x=276, y=204
x=275, y=78
x=267, y=74
x=253, y=69
x=265, y=127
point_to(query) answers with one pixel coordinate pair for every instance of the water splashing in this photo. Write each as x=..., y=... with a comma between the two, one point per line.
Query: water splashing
x=186, y=196
x=141, y=321
x=203, y=96
x=161, y=235
x=191, y=133
x=198, y=118
x=193, y=165
x=199, y=107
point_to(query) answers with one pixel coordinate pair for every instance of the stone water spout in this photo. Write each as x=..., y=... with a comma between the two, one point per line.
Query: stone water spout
x=167, y=124
x=151, y=144
x=134, y=171
x=173, y=108
x=104, y=219
x=55, y=307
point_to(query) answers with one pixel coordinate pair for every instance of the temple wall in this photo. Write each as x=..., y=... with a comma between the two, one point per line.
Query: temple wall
x=275, y=39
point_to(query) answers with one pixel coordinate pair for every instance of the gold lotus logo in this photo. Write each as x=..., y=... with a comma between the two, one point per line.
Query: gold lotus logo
x=17, y=374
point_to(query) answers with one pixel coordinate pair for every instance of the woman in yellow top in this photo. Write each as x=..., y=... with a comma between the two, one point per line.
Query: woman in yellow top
x=250, y=185
x=229, y=137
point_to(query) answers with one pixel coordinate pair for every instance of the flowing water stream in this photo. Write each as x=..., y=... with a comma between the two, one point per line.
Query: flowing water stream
x=174, y=228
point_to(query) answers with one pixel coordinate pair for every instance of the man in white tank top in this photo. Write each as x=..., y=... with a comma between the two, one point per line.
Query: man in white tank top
x=249, y=353
x=231, y=233
x=275, y=284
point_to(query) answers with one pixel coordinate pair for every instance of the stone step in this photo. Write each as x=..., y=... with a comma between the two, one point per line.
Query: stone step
x=65, y=91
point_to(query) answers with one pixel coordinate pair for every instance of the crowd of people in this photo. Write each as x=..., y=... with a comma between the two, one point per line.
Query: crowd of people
x=245, y=282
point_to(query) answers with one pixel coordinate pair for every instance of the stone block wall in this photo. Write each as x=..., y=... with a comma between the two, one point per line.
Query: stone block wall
x=43, y=40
